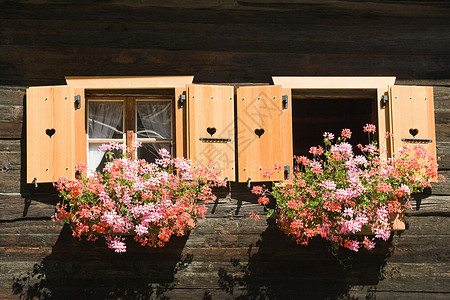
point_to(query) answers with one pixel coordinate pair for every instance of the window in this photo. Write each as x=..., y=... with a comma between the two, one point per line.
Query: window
x=153, y=127
x=105, y=124
x=242, y=130
x=125, y=119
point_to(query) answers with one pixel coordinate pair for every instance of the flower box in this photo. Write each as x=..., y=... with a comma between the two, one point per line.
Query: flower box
x=150, y=201
x=339, y=194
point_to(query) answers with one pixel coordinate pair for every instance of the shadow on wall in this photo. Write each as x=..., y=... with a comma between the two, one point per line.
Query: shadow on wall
x=89, y=270
x=281, y=269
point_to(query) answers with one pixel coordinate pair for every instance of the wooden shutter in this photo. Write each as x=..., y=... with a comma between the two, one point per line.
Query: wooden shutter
x=411, y=116
x=264, y=133
x=211, y=127
x=54, y=133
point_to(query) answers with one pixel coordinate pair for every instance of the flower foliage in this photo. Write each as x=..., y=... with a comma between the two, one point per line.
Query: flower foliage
x=338, y=194
x=152, y=201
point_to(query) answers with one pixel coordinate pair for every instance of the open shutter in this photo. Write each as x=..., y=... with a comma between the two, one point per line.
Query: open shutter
x=211, y=127
x=411, y=116
x=51, y=138
x=264, y=133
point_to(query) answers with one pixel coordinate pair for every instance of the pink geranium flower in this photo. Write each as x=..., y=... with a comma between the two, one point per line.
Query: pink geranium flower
x=152, y=201
x=337, y=195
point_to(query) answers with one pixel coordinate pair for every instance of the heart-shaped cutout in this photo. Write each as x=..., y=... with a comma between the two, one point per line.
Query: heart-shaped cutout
x=50, y=132
x=259, y=132
x=413, y=131
x=211, y=130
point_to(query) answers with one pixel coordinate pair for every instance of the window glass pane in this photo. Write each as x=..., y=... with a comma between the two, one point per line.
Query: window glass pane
x=149, y=151
x=154, y=119
x=105, y=120
x=97, y=158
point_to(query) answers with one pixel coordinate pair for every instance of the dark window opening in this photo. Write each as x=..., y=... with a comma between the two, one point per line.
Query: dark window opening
x=317, y=111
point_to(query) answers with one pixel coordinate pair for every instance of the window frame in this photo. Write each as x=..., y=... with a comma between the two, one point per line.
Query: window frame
x=129, y=102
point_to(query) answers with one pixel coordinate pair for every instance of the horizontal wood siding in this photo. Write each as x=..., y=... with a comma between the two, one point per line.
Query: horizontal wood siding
x=228, y=256
x=232, y=41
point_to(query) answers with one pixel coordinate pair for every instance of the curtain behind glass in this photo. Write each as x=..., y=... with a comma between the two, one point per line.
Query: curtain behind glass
x=154, y=119
x=149, y=151
x=105, y=122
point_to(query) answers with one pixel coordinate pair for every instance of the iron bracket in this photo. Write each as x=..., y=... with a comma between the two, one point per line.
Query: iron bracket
x=285, y=101
x=77, y=99
x=287, y=172
x=181, y=100
x=384, y=100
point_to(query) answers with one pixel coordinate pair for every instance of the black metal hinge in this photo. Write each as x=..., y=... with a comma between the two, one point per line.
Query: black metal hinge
x=181, y=100
x=77, y=103
x=285, y=101
x=384, y=100
x=287, y=172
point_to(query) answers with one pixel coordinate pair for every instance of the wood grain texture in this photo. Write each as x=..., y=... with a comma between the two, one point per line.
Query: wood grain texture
x=228, y=256
x=39, y=119
x=412, y=116
x=50, y=133
x=273, y=39
x=211, y=107
x=259, y=121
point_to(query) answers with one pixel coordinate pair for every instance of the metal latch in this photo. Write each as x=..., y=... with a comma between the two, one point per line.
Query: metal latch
x=214, y=140
x=181, y=100
x=77, y=99
x=384, y=100
x=285, y=101
x=418, y=141
x=287, y=172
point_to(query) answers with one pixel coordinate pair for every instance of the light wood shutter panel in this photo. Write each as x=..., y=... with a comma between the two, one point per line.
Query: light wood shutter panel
x=211, y=130
x=412, y=117
x=50, y=133
x=264, y=132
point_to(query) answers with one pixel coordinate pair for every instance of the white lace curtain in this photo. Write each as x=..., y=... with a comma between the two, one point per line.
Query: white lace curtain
x=154, y=119
x=105, y=122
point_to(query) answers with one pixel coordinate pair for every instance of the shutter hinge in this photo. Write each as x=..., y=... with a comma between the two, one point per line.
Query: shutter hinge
x=77, y=99
x=384, y=100
x=285, y=101
x=35, y=183
x=181, y=100
x=287, y=172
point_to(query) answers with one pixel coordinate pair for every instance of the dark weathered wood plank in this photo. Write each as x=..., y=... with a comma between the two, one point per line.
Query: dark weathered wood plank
x=12, y=95
x=227, y=255
x=437, y=204
x=15, y=208
x=443, y=132
x=442, y=188
x=10, y=181
x=442, y=116
x=443, y=153
x=226, y=66
x=10, y=129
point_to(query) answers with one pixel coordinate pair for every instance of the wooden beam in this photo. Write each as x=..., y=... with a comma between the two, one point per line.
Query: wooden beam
x=129, y=82
x=334, y=82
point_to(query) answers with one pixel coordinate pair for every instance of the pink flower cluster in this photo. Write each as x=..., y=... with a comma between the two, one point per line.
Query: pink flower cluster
x=151, y=201
x=339, y=194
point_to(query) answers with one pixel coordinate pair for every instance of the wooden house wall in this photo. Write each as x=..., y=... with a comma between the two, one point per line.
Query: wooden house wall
x=228, y=256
